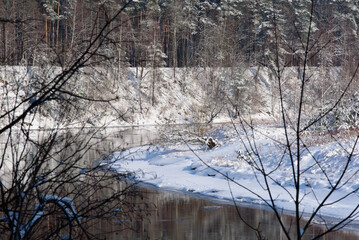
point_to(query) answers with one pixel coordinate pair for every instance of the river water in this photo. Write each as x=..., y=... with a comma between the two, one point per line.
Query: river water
x=186, y=216
x=180, y=215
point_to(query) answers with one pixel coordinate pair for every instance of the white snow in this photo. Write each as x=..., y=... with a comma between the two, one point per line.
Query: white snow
x=182, y=96
x=180, y=167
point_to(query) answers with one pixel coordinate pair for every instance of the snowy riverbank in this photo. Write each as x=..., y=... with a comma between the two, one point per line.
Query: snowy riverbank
x=183, y=167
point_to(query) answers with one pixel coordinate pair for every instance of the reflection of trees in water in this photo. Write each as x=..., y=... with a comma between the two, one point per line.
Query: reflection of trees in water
x=180, y=216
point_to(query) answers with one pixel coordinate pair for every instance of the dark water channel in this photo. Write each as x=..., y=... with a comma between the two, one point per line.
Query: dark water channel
x=186, y=216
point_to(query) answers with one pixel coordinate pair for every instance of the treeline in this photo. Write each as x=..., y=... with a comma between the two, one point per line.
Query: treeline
x=181, y=33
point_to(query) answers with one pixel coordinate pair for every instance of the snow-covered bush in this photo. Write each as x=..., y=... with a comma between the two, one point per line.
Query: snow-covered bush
x=344, y=116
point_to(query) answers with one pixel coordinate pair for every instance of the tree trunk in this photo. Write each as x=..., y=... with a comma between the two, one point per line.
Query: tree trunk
x=4, y=42
x=73, y=27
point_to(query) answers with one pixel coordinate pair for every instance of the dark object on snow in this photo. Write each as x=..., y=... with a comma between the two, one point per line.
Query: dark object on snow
x=210, y=143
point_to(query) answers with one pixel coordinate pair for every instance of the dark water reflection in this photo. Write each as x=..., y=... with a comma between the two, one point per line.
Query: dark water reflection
x=183, y=216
